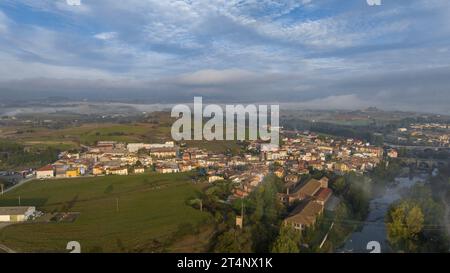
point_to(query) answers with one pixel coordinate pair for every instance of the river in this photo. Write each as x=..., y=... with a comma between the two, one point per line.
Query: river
x=374, y=228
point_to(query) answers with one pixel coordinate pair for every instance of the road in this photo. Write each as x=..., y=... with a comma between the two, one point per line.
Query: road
x=6, y=249
x=23, y=181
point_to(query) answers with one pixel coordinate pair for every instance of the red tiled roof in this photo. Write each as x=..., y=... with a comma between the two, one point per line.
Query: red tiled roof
x=46, y=168
x=324, y=194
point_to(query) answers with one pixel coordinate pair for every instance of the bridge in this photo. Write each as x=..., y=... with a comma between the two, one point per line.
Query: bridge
x=428, y=164
x=421, y=148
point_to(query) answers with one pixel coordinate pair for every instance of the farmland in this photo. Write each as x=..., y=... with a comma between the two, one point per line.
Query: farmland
x=139, y=213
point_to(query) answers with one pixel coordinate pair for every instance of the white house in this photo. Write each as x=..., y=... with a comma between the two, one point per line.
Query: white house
x=45, y=172
x=214, y=178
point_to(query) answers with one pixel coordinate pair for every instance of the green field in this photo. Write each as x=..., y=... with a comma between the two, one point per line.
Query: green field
x=216, y=146
x=91, y=133
x=151, y=208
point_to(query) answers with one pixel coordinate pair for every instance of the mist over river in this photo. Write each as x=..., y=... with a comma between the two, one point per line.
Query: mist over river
x=374, y=228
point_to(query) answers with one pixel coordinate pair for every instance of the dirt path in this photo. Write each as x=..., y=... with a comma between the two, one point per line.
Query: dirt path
x=6, y=249
x=22, y=182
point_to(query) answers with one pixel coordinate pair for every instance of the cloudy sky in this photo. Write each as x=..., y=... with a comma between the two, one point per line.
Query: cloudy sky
x=319, y=53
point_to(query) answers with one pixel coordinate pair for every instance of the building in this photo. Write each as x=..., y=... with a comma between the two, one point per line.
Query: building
x=75, y=172
x=323, y=196
x=163, y=152
x=324, y=182
x=117, y=171
x=45, y=172
x=341, y=167
x=97, y=170
x=306, y=217
x=310, y=188
x=167, y=168
x=135, y=147
x=60, y=172
x=292, y=178
x=279, y=172
x=16, y=214
x=214, y=178
x=139, y=170
x=392, y=153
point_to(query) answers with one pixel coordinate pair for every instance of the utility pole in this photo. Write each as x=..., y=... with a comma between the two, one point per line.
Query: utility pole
x=242, y=212
x=19, y=201
x=201, y=205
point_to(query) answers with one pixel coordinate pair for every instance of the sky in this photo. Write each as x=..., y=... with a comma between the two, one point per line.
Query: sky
x=326, y=54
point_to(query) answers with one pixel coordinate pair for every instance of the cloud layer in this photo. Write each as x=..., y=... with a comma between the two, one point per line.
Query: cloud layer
x=321, y=53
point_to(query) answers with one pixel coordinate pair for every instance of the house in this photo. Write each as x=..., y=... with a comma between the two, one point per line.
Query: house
x=16, y=214
x=139, y=170
x=341, y=167
x=392, y=153
x=279, y=172
x=302, y=171
x=310, y=188
x=74, y=172
x=323, y=196
x=185, y=167
x=317, y=165
x=117, y=171
x=60, y=172
x=97, y=170
x=306, y=217
x=324, y=182
x=214, y=178
x=186, y=156
x=163, y=152
x=167, y=168
x=291, y=178
x=45, y=172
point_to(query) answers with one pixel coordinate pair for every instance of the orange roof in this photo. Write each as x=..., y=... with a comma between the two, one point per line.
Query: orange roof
x=46, y=168
x=324, y=194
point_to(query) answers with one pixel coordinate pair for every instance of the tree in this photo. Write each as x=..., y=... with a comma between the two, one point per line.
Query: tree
x=138, y=164
x=234, y=241
x=287, y=241
x=339, y=185
x=405, y=222
x=265, y=214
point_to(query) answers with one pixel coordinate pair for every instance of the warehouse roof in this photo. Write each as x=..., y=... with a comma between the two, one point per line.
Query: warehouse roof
x=14, y=210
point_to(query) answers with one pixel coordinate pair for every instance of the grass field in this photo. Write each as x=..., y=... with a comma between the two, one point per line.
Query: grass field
x=151, y=209
x=216, y=146
x=91, y=133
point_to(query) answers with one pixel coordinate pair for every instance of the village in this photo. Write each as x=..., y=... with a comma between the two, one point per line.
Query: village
x=298, y=154
x=423, y=134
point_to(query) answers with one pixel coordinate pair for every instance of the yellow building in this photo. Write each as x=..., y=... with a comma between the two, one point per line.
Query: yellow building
x=341, y=167
x=97, y=170
x=73, y=173
x=279, y=172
